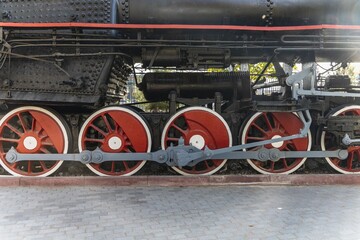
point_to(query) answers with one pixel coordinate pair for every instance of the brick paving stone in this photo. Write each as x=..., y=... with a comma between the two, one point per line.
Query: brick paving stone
x=229, y=212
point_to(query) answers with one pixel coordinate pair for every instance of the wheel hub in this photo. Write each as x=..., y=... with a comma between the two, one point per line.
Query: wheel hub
x=277, y=144
x=30, y=143
x=197, y=141
x=115, y=143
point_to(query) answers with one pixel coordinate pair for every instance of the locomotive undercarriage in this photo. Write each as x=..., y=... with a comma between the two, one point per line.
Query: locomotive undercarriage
x=276, y=131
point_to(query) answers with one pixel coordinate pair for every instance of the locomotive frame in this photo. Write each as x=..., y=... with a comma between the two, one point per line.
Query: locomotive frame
x=75, y=68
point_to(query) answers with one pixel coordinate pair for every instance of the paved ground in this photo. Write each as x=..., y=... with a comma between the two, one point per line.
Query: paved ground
x=231, y=212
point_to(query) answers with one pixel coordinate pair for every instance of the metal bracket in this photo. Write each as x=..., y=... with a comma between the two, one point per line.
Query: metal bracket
x=298, y=77
x=296, y=82
x=347, y=140
x=1, y=34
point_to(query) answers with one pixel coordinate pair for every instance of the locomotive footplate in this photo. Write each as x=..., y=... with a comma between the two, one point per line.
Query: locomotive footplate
x=283, y=106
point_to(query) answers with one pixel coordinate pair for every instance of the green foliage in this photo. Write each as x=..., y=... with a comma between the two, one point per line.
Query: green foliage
x=149, y=107
x=257, y=68
x=349, y=70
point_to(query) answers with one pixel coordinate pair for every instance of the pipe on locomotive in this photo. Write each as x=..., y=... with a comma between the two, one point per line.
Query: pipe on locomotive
x=240, y=12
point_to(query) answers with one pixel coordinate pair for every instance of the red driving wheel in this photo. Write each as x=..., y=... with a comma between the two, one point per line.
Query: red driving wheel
x=264, y=126
x=328, y=142
x=199, y=127
x=33, y=130
x=115, y=129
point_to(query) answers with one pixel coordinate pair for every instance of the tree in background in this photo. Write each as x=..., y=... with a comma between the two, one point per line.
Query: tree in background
x=348, y=70
x=152, y=106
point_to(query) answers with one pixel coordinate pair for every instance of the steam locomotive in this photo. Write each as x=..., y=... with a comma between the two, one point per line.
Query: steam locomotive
x=65, y=65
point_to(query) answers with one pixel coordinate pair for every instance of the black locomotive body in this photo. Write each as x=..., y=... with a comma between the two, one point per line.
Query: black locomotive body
x=62, y=60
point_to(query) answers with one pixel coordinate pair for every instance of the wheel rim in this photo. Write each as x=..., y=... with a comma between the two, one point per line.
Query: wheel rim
x=196, y=126
x=265, y=126
x=115, y=129
x=352, y=164
x=32, y=130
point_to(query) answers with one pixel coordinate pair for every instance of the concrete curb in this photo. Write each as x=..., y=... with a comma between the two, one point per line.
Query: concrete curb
x=182, y=181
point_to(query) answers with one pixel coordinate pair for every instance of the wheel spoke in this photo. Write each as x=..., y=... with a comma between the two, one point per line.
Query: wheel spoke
x=43, y=166
x=267, y=121
x=286, y=148
x=182, y=131
x=285, y=163
x=43, y=137
x=94, y=140
x=107, y=123
x=126, y=165
x=44, y=150
x=272, y=165
x=46, y=143
x=189, y=126
x=358, y=158
x=350, y=161
x=259, y=128
x=98, y=130
x=257, y=138
x=29, y=167
x=13, y=129
x=172, y=139
x=33, y=123
x=113, y=166
x=336, y=161
x=22, y=122
x=206, y=164
x=277, y=124
x=9, y=140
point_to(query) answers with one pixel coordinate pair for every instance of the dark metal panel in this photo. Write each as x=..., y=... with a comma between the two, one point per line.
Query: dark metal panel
x=97, y=11
x=241, y=12
x=156, y=86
